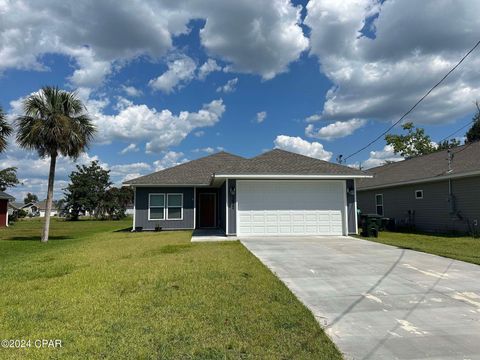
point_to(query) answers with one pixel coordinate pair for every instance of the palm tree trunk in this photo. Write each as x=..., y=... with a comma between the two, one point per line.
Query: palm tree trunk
x=51, y=179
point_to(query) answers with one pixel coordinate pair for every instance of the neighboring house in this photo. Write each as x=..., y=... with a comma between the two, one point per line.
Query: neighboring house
x=437, y=192
x=130, y=209
x=36, y=208
x=42, y=207
x=276, y=193
x=4, y=200
x=13, y=206
x=30, y=208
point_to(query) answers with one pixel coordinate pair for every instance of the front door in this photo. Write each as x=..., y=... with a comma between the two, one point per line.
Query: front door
x=207, y=209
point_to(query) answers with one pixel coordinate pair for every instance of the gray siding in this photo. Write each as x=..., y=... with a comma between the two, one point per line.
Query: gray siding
x=232, y=208
x=351, y=209
x=141, y=208
x=434, y=212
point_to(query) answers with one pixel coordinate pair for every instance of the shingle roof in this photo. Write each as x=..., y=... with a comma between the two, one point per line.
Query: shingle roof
x=5, y=196
x=281, y=162
x=466, y=159
x=195, y=172
x=42, y=205
x=275, y=162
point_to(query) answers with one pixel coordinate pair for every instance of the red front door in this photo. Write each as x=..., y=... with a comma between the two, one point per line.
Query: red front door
x=207, y=210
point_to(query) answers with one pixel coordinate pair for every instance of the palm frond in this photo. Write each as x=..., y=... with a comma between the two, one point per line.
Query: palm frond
x=5, y=130
x=55, y=122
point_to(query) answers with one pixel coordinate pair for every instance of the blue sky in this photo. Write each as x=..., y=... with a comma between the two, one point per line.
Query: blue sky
x=320, y=78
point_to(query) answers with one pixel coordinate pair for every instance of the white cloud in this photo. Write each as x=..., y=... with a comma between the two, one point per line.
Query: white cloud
x=171, y=158
x=130, y=148
x=199, y=133
x=259, y=37
x=133, y=123
x=123, y=172
x=208, y=150
x=208, y=67
x=160, y=129
x=261, y=116
x=253, y=37
x=380, y=76
x=301, y=146
x=132, y=91
x=32, y=171
x=180, y=72
x=335, y=130
x=380, y=157
x=64, y=28
x=229, y=87
x=314, y=117
x=91, y=72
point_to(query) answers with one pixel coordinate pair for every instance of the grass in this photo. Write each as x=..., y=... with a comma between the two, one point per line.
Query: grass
x=119, y=295
x=460, y=248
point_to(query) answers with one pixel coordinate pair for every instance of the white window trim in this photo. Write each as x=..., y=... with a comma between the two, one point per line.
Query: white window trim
x=149, y=207
x=181, y=207
x=418, y=198
x=376, y=205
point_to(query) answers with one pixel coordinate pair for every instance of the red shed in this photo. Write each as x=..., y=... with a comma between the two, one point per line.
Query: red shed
x=4, y=199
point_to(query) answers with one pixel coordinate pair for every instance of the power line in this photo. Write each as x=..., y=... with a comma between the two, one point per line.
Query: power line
x=415, y=105
x=456, y=131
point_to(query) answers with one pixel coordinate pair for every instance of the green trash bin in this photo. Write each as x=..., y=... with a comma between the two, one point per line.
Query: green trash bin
x=371, y=224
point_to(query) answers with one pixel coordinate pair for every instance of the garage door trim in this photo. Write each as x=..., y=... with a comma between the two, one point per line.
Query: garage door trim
x=341, y=206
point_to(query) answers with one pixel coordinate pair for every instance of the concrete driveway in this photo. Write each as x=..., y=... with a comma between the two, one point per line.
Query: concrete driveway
x=380, y=302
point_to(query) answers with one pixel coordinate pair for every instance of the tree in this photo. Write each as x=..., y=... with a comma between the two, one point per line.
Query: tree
x=473, y=134
x=5, y=131
x=30, y=198
x=115, y=202
x=8, y=178
x=414, y=143
x=86, y=190
x=54, y=123
x=448, y=144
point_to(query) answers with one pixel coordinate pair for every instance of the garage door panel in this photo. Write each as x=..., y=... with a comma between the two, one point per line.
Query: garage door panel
x=287, y=207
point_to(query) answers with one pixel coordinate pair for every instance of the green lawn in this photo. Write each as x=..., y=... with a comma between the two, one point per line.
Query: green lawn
x=460, y=248
x=114, y=294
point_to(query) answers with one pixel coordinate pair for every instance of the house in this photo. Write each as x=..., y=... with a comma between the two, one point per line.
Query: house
x=42, y=207
x=13, y=206
x=275, y=193
x=36, y=208
x=438, y=192
x=4, y=200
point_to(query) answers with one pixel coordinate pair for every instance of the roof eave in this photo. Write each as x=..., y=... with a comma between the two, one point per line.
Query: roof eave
x=291, y=177
x=164, y=185
x=419, y=181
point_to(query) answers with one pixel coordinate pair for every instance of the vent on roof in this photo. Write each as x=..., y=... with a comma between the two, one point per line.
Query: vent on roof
x=450, y=160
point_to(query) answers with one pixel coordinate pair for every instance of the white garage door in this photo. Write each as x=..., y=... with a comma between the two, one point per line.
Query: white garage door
x=268, y=207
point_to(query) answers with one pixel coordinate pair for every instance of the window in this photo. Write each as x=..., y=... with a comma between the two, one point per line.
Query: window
x=379, y=203
x=174, y=206
x=418, y=194
x=156, y=206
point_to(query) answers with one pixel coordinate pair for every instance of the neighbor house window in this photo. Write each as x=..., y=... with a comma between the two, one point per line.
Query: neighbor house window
x=379, y=203
x=418, y=194
x=156, y=207
x=174, y=206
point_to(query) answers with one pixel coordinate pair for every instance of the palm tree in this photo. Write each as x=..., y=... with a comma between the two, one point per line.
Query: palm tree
x=54, y=123
x=5, y=131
